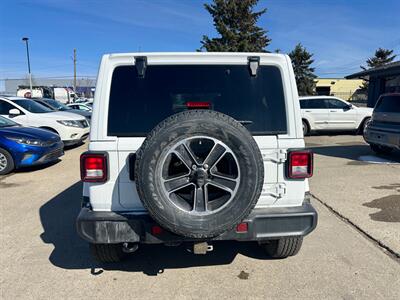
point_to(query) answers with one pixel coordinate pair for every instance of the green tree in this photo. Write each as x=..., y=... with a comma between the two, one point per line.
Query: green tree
x=304, y=73
x=236, y=23
x=382, y=57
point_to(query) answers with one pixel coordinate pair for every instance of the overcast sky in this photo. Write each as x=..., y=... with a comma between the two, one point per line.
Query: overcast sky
x=342, y=34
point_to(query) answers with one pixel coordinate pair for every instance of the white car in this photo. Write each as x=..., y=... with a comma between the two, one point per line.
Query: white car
x=81, y=106
x=327, y=113
x=71, y=128
x=194, y=161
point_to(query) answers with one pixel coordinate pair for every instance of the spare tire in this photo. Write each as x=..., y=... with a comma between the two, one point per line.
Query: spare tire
x=199, y=173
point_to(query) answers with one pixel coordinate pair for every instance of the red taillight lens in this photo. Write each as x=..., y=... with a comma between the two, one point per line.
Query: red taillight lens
x=242, y=227
x=198, y=104
x=156, y=230
x=94, y=167
x=300, y=164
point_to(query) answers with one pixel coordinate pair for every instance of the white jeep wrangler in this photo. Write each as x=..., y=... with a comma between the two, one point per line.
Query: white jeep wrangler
x=194, y=148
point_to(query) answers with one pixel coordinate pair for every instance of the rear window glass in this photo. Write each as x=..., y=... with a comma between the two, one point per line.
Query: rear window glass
x=137, y=105
x=388, y=104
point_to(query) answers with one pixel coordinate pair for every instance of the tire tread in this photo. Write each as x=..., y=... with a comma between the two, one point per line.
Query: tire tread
x=284, y=247
x=107, y=253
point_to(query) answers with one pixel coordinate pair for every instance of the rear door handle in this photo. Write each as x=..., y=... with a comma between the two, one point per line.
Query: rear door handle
x=308, y=110
x=333, y=111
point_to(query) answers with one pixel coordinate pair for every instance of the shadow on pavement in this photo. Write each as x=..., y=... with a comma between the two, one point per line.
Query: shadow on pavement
x=343, y=151
x=71, y=252
x=353, y=152
x=74, y=146
x=333, y=133
x=38, y=167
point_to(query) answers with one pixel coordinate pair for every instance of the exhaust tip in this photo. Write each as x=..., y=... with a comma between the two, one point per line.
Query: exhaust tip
x=129, y=247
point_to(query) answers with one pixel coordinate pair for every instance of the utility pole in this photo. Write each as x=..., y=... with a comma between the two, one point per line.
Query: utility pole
x=74, y=70
x=25, y=39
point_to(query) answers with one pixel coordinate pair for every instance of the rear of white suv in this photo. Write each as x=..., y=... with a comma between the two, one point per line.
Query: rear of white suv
x=195, y=147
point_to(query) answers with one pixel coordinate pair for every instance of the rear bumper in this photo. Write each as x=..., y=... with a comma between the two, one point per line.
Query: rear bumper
x=263, y=224
x=382, y=137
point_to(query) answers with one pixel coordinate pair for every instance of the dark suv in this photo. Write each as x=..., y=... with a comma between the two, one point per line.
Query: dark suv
x=383, y=132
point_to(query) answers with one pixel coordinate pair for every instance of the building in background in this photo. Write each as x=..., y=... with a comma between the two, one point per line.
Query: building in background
x=347, y=89
x=384, y=79
x=85, y=85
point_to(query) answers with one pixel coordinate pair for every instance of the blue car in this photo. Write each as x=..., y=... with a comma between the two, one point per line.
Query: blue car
x=26, y=146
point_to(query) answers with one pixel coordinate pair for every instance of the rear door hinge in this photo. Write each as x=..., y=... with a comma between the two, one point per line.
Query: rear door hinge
x=275, y=156
x=277, y=191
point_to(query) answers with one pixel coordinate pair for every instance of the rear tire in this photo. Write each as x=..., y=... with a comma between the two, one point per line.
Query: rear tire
x=6, y=162
x=378, y=149
x=283, y=247
x=362, y=126
x=306, y=128
x=107, y=253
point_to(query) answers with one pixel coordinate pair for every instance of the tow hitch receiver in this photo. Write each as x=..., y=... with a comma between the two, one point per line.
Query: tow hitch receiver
x=202, y=248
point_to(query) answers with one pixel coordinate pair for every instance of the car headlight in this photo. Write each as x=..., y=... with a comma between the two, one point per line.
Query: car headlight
x=30, y=142
x=69, y=123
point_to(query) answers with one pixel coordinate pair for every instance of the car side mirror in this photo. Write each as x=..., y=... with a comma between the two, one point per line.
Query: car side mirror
x=14, y=112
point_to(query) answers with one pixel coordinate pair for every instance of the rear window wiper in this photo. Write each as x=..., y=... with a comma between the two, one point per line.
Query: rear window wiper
x=245, y=122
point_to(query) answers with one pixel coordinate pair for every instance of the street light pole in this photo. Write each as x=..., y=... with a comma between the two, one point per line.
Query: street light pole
x=25, y=39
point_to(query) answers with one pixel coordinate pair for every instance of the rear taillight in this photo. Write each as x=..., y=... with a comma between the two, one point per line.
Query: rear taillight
x=242, y=227
x=300, y=164
x=94, y=167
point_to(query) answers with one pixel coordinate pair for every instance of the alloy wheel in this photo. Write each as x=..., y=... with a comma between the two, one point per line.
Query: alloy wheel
x=200, y=175
x=3, y=162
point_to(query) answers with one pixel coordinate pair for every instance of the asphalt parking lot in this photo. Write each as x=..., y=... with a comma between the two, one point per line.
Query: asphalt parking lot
x=353, y=253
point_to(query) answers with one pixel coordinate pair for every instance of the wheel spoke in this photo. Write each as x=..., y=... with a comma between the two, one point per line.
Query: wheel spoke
x=177, y=183
x=3, y=162
x=200, y=199
x=223, y=182
x=185, y=155
x=212, y=166
x=214, y=156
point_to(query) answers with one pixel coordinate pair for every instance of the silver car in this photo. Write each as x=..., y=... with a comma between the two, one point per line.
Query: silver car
x=383, y=131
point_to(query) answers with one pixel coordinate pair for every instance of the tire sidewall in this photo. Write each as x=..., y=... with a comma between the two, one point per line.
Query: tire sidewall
x=241, y=143
x=10, y=162
x=305, y=128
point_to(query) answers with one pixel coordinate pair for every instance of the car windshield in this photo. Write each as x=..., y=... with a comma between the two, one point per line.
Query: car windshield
x=388, y=104
x=57, y=105
x=4, y=122
x=32, y=106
